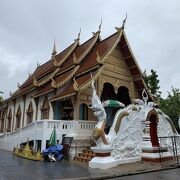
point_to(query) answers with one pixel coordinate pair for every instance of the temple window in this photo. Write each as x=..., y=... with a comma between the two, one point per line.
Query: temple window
x=45, y=109
x=123, y=95
x=29, y=113
x=2, y=121
x=9, y=121
x=18, y=117
x=108, y=92
x=67, y=110
x=83, y=111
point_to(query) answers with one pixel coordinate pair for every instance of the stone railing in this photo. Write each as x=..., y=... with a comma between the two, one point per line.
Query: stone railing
x=42, y=129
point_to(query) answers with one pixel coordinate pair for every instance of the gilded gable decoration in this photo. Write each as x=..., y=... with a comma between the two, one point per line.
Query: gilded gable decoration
x=75, y=85
x=98, y=58
x=75, y=60
x=53, y=83
x=35, y=83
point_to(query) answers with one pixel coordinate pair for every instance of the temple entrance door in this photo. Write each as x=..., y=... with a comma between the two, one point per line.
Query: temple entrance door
x=108, y=93
x=153, y=130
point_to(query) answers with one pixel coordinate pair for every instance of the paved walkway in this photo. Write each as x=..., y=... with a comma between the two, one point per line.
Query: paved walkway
x=15, y=168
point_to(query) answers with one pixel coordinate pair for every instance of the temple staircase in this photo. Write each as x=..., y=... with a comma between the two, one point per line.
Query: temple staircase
x=85, y=156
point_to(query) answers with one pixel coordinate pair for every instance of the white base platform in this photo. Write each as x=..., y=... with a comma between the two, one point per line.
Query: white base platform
x=103, y=163
x=129, y=160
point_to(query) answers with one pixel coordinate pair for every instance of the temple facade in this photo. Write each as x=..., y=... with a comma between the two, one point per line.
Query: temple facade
x=59, y=90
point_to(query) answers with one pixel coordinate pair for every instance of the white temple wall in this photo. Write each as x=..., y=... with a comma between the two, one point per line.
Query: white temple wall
x=19, y=102
x=51, y=114
x=27, y=102
x=10, y=106
x=40, y=104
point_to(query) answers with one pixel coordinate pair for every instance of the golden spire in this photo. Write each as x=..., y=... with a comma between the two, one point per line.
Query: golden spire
x=124, y=22
x=123, y=25
x=99, y=29
x=78, y=38
x=18, y=85
x=54, y=52
x=10, y=93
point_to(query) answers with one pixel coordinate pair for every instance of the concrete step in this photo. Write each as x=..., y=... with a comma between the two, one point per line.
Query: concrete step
x=88, y=151
x=82, y=159
x=85, y=156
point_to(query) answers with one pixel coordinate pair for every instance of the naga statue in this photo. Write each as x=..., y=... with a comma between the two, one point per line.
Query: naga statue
x=97, y=106
x=131, y=124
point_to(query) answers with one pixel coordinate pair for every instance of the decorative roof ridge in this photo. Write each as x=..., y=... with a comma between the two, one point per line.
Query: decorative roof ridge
x=76, y=43
x=38, y=84
x=84, y=72
x=137, y=65
x=78, y=60
x=55, y=85
x=101, y=60
x=86, y=85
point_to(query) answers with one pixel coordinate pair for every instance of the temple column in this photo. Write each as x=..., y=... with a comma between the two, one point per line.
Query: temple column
x=75, y=102
x=24, y=111
x=36, y=100
x=14, y=115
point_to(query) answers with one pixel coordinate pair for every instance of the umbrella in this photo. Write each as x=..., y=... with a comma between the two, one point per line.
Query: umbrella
x=53, y=138
x=113, y=103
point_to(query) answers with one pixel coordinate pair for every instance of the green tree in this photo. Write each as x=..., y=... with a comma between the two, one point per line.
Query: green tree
x=1, y=98
x=171, y=106
x=152, y=83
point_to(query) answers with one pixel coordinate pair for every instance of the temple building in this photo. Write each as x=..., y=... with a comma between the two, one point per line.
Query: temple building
x=59, y=90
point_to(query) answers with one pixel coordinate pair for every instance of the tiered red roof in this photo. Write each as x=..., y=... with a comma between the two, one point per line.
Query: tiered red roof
x=71, y=69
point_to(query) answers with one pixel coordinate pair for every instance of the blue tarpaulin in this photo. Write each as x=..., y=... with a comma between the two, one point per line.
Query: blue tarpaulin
x=55, y=150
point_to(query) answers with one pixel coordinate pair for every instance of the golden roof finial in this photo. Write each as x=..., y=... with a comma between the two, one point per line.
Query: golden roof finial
x=10, y=93
x=124, y=21
x=78, y=38
x=118, y=29
x=38, y=64
x=99, y=30
x=54, y=52
x=18, y=85
x=29, y=74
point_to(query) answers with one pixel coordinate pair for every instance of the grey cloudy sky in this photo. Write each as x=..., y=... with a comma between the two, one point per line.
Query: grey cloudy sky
x=29, y=27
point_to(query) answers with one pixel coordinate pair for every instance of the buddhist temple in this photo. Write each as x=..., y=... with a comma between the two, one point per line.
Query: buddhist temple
x=58, y=93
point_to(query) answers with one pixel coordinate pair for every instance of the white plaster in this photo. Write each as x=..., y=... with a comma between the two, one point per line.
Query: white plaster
x=103, y=162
